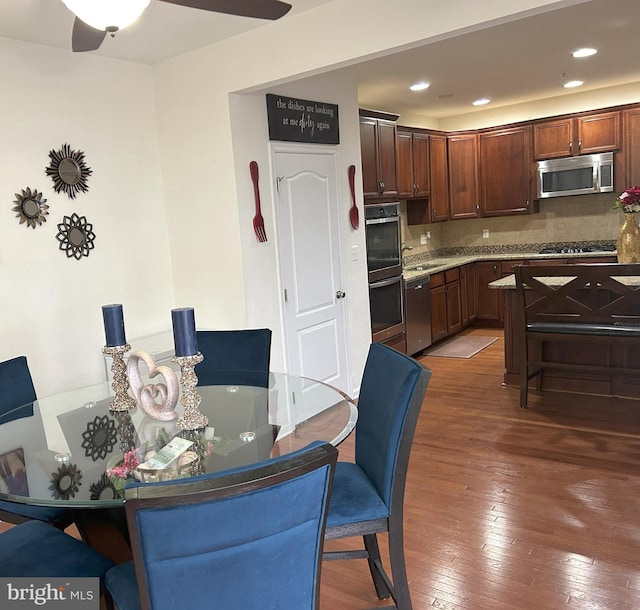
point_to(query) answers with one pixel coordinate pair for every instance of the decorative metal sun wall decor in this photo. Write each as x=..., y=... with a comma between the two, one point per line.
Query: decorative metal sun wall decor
x=31, y=208
x=68, y=171
x=65, y=482
x=76, y=236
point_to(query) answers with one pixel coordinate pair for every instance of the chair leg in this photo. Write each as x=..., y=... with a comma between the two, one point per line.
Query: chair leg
x=524, y=373
x=373, y=551
x=401, y=595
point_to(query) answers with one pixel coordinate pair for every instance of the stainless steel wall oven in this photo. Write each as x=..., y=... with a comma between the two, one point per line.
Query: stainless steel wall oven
x=384, y=264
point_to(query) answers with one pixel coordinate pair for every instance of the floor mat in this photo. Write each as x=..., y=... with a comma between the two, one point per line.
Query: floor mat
x=461, y=347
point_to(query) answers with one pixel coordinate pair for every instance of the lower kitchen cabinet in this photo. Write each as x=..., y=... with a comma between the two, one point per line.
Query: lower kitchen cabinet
x=468, y=294
x=489, y=312
x=446, y=304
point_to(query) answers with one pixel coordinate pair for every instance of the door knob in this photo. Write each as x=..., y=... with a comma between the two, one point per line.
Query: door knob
x=340, y=294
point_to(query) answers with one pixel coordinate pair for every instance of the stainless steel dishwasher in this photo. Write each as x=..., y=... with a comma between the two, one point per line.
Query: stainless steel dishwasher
x=417, y=314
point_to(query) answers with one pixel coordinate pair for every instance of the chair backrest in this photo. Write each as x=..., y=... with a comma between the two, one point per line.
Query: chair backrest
x=241, y=539
x=597, y=293
x=391, y=394
x=234, y=357
x=16, y=385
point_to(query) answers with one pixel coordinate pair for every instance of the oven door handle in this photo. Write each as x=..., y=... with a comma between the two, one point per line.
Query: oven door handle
x=388, y=282
x=379, y=221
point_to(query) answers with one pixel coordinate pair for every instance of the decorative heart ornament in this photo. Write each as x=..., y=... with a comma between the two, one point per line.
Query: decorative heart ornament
x=147, y=395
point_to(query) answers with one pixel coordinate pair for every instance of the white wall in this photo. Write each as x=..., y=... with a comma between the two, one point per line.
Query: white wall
x=51, y=305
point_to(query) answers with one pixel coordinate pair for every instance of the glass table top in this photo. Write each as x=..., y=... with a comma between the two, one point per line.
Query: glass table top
x=67, y=449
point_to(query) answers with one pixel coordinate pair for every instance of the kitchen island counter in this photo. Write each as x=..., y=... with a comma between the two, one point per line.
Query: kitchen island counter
x=566, y=354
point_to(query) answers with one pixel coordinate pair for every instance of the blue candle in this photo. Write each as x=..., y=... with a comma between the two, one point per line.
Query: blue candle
x=113, y=325
x=184, y=331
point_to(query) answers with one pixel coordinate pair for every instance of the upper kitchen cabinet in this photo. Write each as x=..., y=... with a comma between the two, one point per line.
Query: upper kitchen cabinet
x=630, y=166
x=577, y=135
x=438, y=178
x=506, y=170
x=413, y=163
x=378, y=149
x=462, y=151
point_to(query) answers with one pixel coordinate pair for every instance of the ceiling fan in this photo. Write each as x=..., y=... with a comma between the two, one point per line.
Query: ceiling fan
x=96, y=18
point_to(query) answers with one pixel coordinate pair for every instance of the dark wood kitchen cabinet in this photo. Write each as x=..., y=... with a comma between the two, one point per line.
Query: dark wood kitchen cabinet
x=468, y=294
x=378, y=150
x=506, y=171
x=576, y=135
x=462, y=152
x=631, y=151
x=490, y=302
x=446, y=305
x=412, y=163
x=439, y=178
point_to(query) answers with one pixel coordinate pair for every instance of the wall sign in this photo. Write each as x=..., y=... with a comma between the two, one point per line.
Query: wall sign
x=295, y=120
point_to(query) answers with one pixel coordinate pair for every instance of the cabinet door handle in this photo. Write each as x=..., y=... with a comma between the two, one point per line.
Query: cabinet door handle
x=381, y=187
x=570, y=148
x=579, y=146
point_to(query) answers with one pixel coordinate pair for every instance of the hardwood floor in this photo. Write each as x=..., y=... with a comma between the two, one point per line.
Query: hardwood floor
x=512, y=508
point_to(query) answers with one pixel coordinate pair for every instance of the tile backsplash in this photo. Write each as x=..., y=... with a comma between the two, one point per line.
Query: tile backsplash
x=580, y=218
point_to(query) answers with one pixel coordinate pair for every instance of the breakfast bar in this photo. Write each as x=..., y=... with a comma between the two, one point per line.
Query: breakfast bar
x=592, y=361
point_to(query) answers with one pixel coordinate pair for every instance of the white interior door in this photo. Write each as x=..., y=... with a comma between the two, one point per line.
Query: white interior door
x=307, y=206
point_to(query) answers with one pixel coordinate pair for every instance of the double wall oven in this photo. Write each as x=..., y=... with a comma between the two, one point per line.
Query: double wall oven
x=384, y=264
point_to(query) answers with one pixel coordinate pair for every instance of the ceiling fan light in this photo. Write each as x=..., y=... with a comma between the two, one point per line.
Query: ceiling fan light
x=103, y=14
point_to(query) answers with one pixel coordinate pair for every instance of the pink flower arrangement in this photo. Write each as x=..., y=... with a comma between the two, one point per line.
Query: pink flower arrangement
x=129, y=463
x=629, y=201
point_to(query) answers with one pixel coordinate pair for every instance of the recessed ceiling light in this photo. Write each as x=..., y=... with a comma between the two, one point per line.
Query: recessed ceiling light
x=585, y=52
x=419, y=86
x=573, y=83
x=481, y=102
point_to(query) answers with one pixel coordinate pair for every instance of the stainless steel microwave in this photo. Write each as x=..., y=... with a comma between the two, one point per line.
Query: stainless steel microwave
x=575, y=175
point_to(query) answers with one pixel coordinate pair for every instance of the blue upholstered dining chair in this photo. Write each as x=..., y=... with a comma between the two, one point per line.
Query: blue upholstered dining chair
x=234, y=357
x=242, y=539
x=16, y=390
x=367, y=496
x=35, y=549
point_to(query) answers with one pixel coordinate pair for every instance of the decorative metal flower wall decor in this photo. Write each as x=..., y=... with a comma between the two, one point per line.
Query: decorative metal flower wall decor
x=103, y=489
x=76, y=236
x=31, y=208
x=99, y=438
x=68, y=171
x=65, y=482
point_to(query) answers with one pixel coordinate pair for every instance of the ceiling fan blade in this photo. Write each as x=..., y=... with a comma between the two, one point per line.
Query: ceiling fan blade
x=261, y=9
x=84, y=37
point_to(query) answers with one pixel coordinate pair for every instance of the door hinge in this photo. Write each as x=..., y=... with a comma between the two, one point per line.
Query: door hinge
x=286, y=297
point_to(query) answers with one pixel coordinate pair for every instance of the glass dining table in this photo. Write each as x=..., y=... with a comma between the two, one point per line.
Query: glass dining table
x=70, y=450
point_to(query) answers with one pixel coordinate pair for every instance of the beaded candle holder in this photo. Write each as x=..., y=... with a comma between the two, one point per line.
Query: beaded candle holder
x=192, y=419
x=122, y=401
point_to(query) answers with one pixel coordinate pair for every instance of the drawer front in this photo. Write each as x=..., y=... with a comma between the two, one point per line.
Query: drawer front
x=452, y=275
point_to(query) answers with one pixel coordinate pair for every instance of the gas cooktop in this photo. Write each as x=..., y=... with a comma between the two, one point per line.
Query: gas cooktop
x=578, y=249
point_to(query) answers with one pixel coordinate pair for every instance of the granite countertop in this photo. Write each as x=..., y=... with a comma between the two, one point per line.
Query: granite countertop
x=509, y=282
x=436, y=265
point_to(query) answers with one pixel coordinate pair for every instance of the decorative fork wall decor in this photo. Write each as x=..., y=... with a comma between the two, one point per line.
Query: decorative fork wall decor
x=258, y=220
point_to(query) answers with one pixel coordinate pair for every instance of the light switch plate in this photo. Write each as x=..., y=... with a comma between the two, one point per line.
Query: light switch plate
x=423, y=239
x=485, y=233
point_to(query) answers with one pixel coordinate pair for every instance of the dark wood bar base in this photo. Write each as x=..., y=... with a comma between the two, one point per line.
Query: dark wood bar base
x=573, y=360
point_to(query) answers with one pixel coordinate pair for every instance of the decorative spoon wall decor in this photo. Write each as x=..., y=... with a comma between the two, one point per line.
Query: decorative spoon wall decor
x=353, y=211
